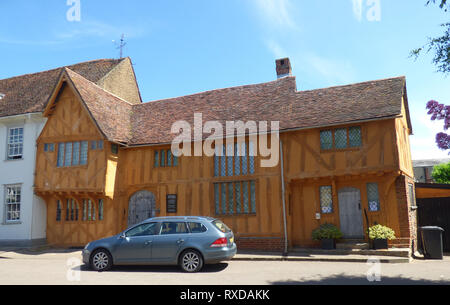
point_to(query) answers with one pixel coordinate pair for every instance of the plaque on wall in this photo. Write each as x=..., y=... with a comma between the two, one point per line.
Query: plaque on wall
x=171, y=203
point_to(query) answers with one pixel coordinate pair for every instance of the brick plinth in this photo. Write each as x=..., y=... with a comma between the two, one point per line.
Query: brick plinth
x=260, y=243
x=407, y=215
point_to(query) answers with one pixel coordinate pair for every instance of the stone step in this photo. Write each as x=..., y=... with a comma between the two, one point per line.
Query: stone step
x=352, y=246
x=365, y=252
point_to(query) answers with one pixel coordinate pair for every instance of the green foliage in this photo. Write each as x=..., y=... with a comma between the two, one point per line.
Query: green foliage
x=327, y=231
x=381, y=232
x=441, y=173
x=439, y=45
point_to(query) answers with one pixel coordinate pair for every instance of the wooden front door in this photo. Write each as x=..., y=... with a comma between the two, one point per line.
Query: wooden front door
x=350, y=213
x=141, y=207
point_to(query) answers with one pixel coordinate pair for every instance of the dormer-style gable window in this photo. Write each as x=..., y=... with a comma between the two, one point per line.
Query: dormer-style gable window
x=15, y=143
x=72, y=154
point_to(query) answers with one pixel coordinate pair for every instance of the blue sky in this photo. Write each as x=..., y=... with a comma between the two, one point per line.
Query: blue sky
x=186, y=46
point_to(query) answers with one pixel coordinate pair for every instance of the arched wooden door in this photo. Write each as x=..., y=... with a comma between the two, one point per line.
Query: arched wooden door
x=141, y=207
x=350, y=213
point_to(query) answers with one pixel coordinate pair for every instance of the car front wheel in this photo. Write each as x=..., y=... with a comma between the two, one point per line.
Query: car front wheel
x=101, y=260
x=191, y=261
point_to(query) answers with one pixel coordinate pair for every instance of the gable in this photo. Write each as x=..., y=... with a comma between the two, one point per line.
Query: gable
x=69, y=119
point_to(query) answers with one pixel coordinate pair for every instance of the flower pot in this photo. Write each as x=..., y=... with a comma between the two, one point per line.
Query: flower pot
x=380, y=244
x=328, y=244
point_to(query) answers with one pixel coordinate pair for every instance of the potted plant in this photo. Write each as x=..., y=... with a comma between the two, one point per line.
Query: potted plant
x=327, y=234
x=379, y=235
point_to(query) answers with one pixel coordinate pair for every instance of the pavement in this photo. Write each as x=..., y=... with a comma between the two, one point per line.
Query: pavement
x=56, y=266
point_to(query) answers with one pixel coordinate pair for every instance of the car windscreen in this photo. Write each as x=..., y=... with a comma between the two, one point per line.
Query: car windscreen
x=221, y=226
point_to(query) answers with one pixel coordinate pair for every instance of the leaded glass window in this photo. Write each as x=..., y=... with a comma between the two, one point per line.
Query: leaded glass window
x=245, y=186
x=251, y=157
x=326, y=140
x=68, y=155
x=217, y=197
x=354, y=136
x=100, y=209
x=231, y=198
x=58, y=210
x=83, y=153
x=238, y=188
x=224, y=198
x=223, y=162
x=253, y=196
x=84, y=210
x=156, y=159
x=244, y=158
x=216, y=162
x=235, y=198
x=326, y=199
x=230, y=153
x=373, y=197
x=169, y=158
x=76, y=154
x=162, y=156
x=60, y=154
x=89, y=215
x=237, y=160
x=340, y=138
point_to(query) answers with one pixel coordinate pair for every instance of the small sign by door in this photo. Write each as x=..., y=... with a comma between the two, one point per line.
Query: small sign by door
x=171, y=203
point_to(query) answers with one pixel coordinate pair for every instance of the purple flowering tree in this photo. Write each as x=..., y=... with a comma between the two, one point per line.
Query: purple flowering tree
x=440, y=112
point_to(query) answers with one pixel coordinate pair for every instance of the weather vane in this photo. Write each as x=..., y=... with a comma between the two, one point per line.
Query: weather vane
x=121, y=45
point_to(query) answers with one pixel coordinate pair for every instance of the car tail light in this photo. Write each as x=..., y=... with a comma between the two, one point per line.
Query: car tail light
x=220, y=243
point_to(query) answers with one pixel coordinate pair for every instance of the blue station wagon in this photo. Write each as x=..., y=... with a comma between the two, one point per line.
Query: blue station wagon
x=190, y=242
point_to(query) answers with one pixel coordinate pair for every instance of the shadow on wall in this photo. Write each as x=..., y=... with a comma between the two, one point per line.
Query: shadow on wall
x=343, y=279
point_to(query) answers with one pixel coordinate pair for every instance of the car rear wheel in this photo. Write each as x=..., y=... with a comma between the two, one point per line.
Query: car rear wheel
x=191, y=261
x=101, y=260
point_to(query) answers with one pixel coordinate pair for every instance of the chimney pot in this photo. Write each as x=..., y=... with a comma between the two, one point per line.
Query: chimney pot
x=283, y=67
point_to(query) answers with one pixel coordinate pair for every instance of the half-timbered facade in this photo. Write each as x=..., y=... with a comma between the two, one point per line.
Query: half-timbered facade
x=104, y=163
x=22, y=100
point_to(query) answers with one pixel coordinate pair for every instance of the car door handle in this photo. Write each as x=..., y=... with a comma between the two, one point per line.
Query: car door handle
x=180, y=241
x=148, y=242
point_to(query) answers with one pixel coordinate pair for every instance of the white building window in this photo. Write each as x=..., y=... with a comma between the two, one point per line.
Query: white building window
x=12, y=202
x=15, y=143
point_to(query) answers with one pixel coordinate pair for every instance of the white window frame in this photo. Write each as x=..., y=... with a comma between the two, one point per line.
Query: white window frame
x=6, y=204
x=8, y=143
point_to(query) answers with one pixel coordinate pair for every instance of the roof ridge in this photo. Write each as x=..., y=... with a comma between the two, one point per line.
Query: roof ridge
x=92, y=83
x=354, y=84
x=62, y=67
x=220, y=89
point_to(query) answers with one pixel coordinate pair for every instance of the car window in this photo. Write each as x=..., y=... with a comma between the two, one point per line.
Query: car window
x=221, y=226
x=143, y=230
x=168, y=228
x=197, y=227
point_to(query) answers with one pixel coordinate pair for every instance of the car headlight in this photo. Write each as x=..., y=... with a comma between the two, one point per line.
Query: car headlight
x=86, y=246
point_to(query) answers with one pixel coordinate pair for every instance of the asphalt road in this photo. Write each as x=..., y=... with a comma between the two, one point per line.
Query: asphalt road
x=66, y=268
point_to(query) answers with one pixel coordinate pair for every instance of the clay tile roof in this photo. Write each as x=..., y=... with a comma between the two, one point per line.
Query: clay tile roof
x=30, y=93
x=273, y=101
x=110, y=113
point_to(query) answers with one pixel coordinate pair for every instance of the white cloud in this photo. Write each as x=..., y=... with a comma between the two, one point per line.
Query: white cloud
x=81, y=30
x=277, y=14
x=423, y=143
x=334, y=71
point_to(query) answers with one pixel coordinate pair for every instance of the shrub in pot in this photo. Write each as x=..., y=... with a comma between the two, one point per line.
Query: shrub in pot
x=327, y=234
x=379, y=235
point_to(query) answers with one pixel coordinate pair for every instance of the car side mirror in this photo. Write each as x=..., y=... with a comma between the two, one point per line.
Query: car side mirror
x=123, y=236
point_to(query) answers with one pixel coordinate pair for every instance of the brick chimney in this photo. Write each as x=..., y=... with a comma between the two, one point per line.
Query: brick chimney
x=283, y=67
